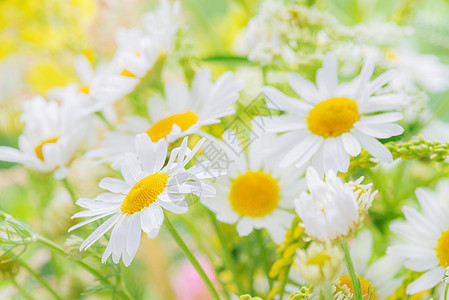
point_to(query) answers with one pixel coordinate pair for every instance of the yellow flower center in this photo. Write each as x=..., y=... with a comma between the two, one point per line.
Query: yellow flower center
x=320, y=259
x=443, y=249
x=346, y=280
x=254, y=194
x=85, y=89
x=125, y=72
x=163, y=127
x=333, y=117
x=391, y=55
x=38, y=149
x=144, y=193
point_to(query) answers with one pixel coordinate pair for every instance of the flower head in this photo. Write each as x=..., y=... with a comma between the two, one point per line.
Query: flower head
x=334, y=121
x=426, y=240
x=255, y=193
x=184, y=112
x=330, y=210
x=319, y=263
x=136, y=202
x=53, y=132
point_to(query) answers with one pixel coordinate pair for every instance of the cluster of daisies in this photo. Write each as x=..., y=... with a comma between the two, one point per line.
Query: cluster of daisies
x=291, y=169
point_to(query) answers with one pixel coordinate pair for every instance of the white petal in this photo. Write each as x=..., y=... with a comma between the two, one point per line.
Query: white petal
x=426, y=281
x=244, y=226
x=303, y=87
x=280, y=101
x=373, y=146
x=114, y=185
x=145, y=152
x=351, y=144
x=381, y=131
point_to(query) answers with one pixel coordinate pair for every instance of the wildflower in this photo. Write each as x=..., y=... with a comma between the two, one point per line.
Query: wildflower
x=136, y=202
x=319, y=263
x=183, y=114
x=422, y=70
x=332, y=123
x=255, y=193
x=53, y=132
x=426, y=240
x=139, y=50
x=330, y=210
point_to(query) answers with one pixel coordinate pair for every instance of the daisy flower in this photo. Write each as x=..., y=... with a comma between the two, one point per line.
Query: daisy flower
x=334, y=121
x=415, y=69
x=136, y=203
x=139, y=50
x=53, y=132
x=379, y=275
x=319, y=263
x=256, y=193
x=184, y=112
x=426, y=240
x=331, y=209
x=101, y=86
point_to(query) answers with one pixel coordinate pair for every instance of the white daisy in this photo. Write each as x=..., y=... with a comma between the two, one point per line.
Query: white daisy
x=379, y=275
x=426, y=240
x=184, y=112
x=318, y=264
x=162, y=24
x=136, y=202
x=423, y=70
x=139, y=50
x=53, y=132
x=330, y=209
x=256, y=193
x=334, y=121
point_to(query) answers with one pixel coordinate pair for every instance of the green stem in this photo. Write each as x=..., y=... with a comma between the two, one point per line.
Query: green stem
x=105, y=120
x=264, y=257
x=284, y=281
x=69, y=189
x=40, y=279
x=21, y=290
x=228, y=258
x=58, y=249
x=355, y=281
x=177, y=238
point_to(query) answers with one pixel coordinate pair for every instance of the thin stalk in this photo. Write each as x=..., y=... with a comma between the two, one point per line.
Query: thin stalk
x=105, y=120
x=40, y=279
x=177, y=238
x=21, y=290
x=355, y=281
x=284, y=282
x=69, y=189
x=264, y=257
x=58, y=249
x=228, y=259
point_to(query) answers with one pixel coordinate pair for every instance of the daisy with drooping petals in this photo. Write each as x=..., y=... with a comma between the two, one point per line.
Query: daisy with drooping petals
x=332, y=123
x=331, y=209
x=379, y=276
x=184, y=112
x=256, y=193
x=426, y=246
x=53, y=132
x=137, y=202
